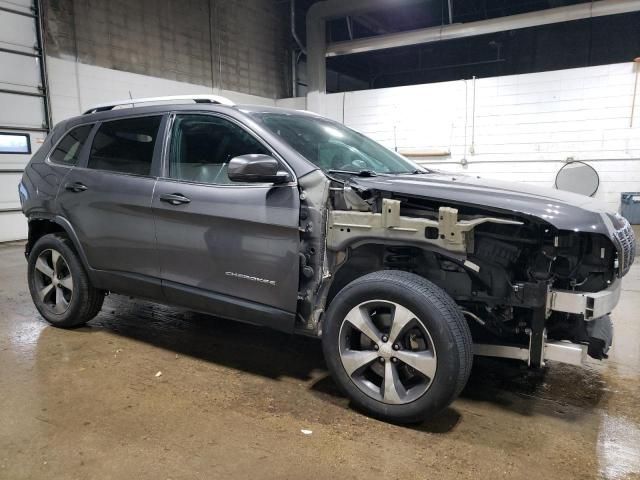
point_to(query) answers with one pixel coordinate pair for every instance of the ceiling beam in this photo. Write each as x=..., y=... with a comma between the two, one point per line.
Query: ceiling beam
x=317, y=17
x=461, y=30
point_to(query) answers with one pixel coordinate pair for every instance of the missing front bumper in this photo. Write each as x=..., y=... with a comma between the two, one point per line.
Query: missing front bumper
x=590, y=304
x=564, y=352
x=594, y=308
x=600, y=332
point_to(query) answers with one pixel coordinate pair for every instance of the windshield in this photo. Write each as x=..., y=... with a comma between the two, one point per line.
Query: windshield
x=334, y=147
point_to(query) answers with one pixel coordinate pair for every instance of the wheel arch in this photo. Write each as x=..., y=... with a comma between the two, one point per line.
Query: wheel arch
x=362, y=258
x=41, y=226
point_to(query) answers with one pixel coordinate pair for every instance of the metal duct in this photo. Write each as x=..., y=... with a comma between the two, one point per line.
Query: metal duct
x=319, y=13
x=317, y=16
x=294, y=33
x=447, y=32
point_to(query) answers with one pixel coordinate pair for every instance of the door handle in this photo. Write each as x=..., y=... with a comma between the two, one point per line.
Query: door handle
x=76, y=187
x=174, y=198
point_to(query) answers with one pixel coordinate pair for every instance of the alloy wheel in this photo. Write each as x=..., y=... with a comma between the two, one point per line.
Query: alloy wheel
x=387, y=352
x=53, y=281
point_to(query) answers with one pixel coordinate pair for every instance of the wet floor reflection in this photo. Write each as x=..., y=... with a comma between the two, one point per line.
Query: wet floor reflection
x=618, y=447
x=232, y=398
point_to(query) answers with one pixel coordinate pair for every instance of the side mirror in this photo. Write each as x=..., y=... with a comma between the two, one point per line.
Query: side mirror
x=256, y=168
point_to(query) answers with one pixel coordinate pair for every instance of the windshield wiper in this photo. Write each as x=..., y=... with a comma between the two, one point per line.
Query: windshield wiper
x=361, y=173
x=410, y=172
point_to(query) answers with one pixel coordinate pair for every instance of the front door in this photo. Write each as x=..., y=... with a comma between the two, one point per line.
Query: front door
x=226, y=248
x=107, y=200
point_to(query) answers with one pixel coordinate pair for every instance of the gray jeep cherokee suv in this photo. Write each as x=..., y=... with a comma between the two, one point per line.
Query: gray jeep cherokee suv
x=288, y=220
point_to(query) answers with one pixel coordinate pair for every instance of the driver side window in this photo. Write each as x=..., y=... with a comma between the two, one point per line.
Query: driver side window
x=202, y=145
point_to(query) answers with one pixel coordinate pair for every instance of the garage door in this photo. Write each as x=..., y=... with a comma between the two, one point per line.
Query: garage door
x=24, y=104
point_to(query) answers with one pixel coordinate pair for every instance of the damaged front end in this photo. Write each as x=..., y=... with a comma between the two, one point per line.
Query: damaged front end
x=529, y=290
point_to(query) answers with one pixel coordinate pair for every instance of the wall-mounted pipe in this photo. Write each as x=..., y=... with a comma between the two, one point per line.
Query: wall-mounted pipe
x=473, y=120
x=294, y=74
x=350, y=28
x=295, y=57
x=636, y=65
x=447, y=32
x=294, y=33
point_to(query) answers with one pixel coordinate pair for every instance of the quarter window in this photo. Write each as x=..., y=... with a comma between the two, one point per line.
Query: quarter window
x=202, y=146
x=125, y=146
x=68, y=150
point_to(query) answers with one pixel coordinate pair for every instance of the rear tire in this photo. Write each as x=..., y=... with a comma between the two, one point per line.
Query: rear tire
x=59, y=285
x=397, y=345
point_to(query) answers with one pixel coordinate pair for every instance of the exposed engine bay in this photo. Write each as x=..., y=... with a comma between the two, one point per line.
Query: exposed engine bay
x=501, y=268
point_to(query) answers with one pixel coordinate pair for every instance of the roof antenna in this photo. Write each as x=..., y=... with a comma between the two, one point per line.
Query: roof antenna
x=131, y=98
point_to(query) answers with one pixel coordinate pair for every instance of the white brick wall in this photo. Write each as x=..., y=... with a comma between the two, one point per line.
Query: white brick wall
x=296, y=103
x=526, y=126
x=75, y=87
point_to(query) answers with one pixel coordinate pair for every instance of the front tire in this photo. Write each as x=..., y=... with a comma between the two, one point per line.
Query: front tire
x=397, y=345
x=59, y=285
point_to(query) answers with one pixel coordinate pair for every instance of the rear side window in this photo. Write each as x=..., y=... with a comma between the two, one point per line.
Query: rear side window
x=68, y=150
x=125, y=146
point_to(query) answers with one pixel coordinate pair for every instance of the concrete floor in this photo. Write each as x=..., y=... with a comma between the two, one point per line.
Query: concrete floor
x=232, y=400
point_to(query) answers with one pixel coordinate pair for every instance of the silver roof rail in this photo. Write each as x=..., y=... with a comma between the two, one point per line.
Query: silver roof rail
x=134, y=101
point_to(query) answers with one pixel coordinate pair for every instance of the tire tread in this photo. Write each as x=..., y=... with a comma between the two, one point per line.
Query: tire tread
x=451, y=316
x=93, y=298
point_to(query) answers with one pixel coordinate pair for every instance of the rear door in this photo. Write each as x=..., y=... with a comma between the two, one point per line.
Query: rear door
x=107, y=200
x=71, y=148
x=225, y=248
